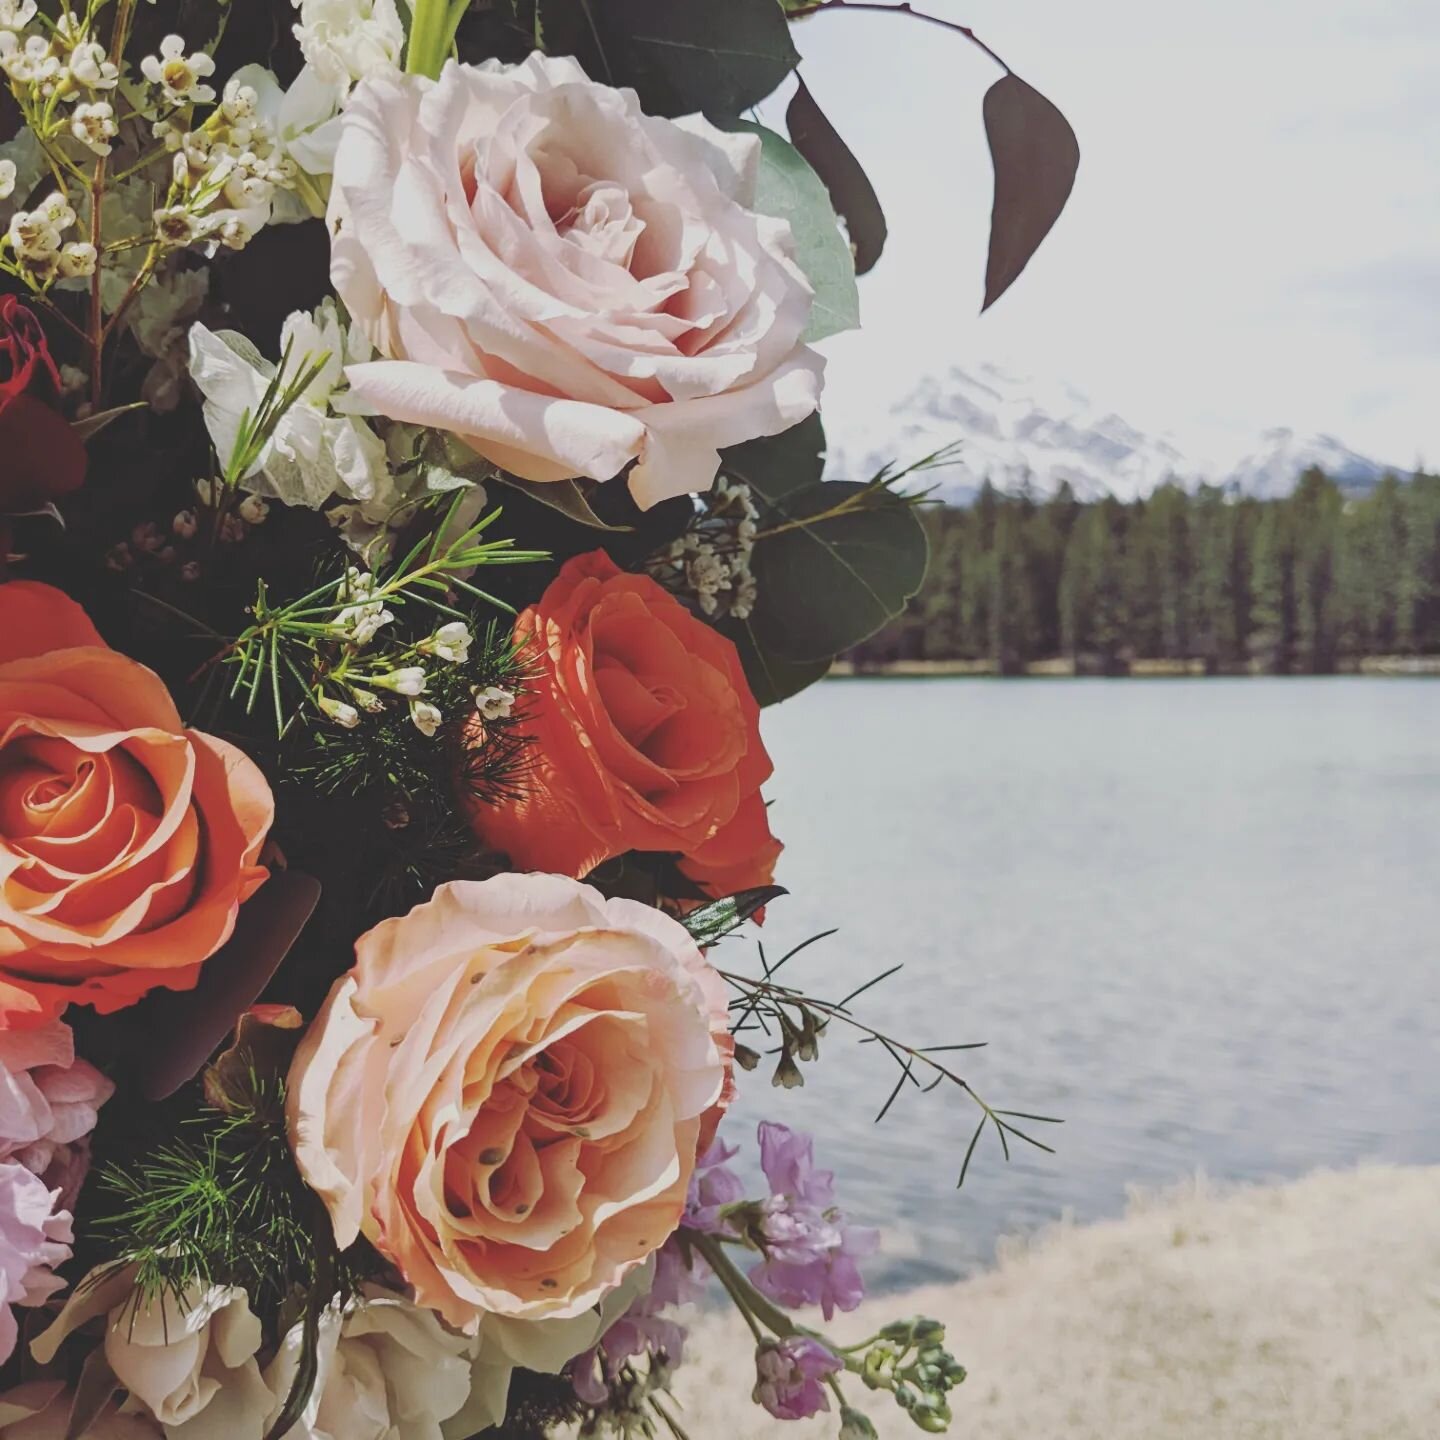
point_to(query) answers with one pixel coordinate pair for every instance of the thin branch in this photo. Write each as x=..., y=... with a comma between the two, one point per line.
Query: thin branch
x=903, y=8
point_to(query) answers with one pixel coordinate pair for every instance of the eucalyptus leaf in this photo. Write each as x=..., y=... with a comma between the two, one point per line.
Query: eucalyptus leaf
x=828, y=580
x=685, y=56
x=790, y=190
x=844, y=177
x=712, y=923
x=92, y=425
x=776, y=465
x=564, y=496
x=1036, y=157
x=771, y=677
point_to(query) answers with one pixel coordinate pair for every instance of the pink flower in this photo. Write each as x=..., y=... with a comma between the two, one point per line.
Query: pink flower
x=506, y=1094
x=35, y=1236
x=562, y=281
x=789, y=1377
x=49, y=1102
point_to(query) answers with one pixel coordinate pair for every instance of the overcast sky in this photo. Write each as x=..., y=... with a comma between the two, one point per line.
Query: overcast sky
x=1254, y=239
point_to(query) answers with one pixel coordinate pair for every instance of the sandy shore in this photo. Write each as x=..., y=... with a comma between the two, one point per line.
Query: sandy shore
x=1308, y=1311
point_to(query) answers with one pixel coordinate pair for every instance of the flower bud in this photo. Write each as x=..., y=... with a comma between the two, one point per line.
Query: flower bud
x=346, y=716
x=854, y=1425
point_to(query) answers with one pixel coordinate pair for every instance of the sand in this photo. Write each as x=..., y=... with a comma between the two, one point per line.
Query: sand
x=1308, y=1311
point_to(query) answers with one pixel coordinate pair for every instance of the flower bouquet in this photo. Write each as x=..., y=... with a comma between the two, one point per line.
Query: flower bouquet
x=411, y=491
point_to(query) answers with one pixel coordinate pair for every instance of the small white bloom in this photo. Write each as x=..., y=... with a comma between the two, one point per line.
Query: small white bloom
x=78, y=260
x=253, y=510
x=407, y=680
x=7, y=179
x=494, y=702
x=231, y=229
x=175, y=225
x=17, y=14
x=91, y=67
x=179, y=75
x=450, y=643
x=185, y=524
x=426, y=716
x=207, y=492
x=241, y=101
x=32, y=237
x=94, y=126
x=346, y=716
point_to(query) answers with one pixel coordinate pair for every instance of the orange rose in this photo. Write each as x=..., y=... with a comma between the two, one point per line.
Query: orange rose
x=646, y=737
x=127, y=843
x=507, y=1093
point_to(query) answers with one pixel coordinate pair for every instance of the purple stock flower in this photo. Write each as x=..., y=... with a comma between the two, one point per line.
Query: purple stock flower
x=810, y=1249
x=712, y=1188
x=789, y=1377
x=642, y=1330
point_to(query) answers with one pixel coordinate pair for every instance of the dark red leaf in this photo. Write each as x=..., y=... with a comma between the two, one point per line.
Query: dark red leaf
x=194, y=1023
x=851, y=192
x=1036, y=156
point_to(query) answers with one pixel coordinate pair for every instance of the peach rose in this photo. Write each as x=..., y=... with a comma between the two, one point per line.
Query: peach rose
x=562, y=281
x=646, y=737
x=127, y=843
x=506, y=1093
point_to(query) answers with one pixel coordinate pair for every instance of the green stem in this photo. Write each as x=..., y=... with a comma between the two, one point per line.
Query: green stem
x=432, y=32
x=748, y=1300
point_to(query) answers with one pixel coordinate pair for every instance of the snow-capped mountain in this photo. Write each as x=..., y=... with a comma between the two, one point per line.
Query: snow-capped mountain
x=1013, y=431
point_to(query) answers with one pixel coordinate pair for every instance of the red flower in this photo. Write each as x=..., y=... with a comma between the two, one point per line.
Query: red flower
x=41, y=457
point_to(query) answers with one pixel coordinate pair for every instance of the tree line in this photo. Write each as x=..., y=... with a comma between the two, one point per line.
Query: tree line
x=1297, y=585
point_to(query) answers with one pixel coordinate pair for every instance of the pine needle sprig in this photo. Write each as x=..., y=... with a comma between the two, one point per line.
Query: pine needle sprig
x=222, y=1204
x=297, y=648
x=799, y=1021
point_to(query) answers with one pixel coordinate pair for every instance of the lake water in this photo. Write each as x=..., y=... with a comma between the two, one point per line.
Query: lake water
x=1199, y=920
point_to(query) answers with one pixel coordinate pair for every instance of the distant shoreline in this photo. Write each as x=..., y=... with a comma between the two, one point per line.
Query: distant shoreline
x=1061, y=668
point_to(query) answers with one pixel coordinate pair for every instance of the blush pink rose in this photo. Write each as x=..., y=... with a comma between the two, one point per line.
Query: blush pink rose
x=505, y=1095
x=564, y=282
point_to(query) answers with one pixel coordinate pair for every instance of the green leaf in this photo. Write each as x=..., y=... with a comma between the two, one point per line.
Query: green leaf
x=771, y=677
x=776, y=465
x=849, y=186
x=790, y=190
x=685, y=56
x=564, y=496
x=712, y=923
x=1036, y=158
x=828, y=580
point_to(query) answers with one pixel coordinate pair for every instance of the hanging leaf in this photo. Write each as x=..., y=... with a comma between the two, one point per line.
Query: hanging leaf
x=1036, y=156
x=776, y=465
x=772, y=678
x=790, y=190
x=712, y=923
x=849, y=187
x=564, y=496
x=829, y=576
x=195, y=1022
x=685, y=56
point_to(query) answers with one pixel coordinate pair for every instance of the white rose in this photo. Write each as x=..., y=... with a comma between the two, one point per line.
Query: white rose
x=562, y=281
x=388, y=1370
x=313, y=453
x=187, y=1361
x=346, y=40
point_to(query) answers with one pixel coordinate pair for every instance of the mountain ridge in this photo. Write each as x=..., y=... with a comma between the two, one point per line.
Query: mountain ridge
x=1016, y=430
